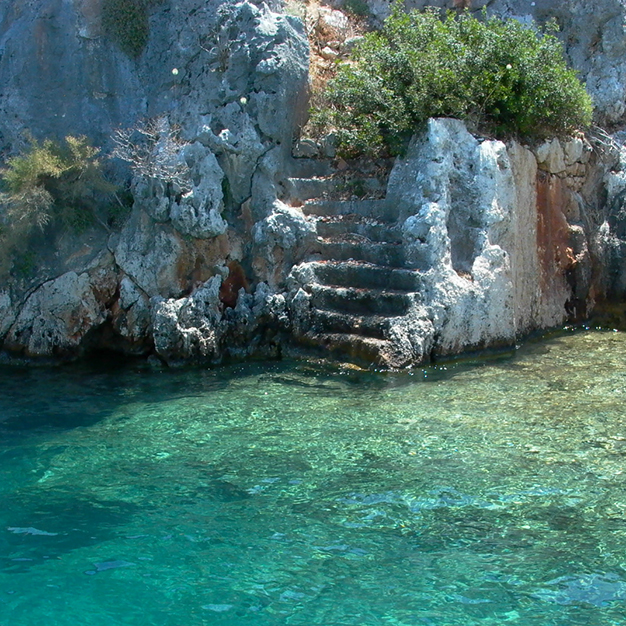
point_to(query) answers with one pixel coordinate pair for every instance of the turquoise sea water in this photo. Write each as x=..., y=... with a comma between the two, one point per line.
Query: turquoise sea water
x=285, y=493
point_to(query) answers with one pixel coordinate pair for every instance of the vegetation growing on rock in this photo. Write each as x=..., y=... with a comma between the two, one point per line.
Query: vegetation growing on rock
x=505, y=78
x=62, y=181
x=51, y=183
x=126, y=22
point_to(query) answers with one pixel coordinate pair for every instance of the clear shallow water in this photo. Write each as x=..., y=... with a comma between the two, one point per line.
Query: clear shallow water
x=288, y=494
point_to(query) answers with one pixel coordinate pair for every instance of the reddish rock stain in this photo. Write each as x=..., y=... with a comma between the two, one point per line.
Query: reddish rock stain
x=553, y=245
x=229, y=290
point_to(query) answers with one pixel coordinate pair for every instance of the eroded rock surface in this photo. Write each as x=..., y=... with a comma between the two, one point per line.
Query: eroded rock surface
x=474, y=245
x=243, y=241
x=57, y=317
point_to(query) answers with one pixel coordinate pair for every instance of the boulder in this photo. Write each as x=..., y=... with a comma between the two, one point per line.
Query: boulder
x=279, y=241
x=471, y=226
x=187, y=329
x=56, y=318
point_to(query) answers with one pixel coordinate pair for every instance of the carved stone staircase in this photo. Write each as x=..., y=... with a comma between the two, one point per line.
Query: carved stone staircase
x=355, y=276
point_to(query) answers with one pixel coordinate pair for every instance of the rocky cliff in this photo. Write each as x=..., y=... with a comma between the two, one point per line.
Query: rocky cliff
x=463, y=243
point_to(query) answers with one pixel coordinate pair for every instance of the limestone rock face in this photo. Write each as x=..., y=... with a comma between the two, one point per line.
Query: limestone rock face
x=611, y=236
x=187, y=329
x=57, y=57
x=7, y=313
x=149, y=252
x=231, y=77
x=196, y=329
x=131, y=316
x=193, y=202
x=243, y=241
x=478, y=231
x=56, y=317
x=279, y=241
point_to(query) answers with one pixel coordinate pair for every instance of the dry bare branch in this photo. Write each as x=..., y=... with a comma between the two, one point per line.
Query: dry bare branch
x=153, y=149
x=605, y=144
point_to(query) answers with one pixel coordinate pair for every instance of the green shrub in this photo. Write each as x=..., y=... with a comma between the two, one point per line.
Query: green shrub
x=358, y=8
x=504, y=77
x=52, y=181
x=50, y=185
x=126, y=22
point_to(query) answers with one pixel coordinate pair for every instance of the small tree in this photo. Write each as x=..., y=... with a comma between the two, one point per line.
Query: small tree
x=54, y=181
x=506, y=78
x=49, y=184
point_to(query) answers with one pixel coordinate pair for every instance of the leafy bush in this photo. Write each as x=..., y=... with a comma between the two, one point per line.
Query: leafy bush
x=126, y=22
x=358, y=8
x=53, y=181
x=506, y=78
x=50, y=184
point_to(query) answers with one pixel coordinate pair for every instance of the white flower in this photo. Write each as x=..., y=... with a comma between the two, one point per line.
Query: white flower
x=509, y=66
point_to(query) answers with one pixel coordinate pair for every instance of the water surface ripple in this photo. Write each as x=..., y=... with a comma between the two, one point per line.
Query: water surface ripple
x=285, y=493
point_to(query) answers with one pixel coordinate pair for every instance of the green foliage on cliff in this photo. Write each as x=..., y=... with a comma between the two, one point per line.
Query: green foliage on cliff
x=505, y=78
x=51, y=188
x=126, y=22
x=53, y=182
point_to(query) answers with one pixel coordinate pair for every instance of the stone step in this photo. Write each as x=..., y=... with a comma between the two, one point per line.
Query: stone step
x=377, y=209
x=355, y=348
x=380, y=253
x=367, y=275
x=310, y=168
x=302, y=189
x=325, y=320
x=381, y=302
x=364, y=227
